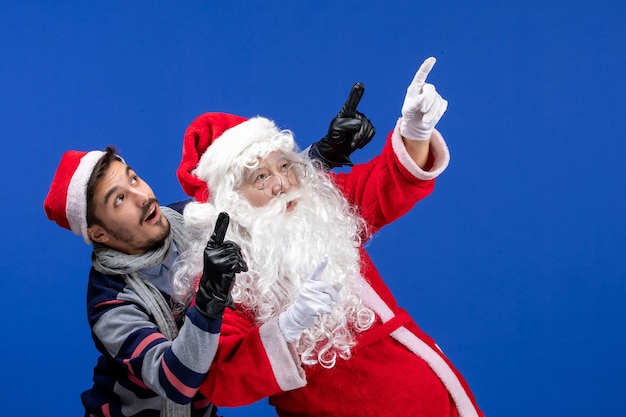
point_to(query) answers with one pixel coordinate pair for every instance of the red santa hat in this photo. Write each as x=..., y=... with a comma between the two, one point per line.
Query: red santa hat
x=66, y=202
x=211, y=146
x=198, y=137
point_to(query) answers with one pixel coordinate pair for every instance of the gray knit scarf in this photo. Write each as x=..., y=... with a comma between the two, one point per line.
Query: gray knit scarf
x=111, y=262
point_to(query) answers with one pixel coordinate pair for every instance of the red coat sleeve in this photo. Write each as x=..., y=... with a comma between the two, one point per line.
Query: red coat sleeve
x=389, y=185
x=251, y=363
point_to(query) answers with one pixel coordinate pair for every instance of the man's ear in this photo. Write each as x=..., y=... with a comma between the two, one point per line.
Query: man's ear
x=97, y=233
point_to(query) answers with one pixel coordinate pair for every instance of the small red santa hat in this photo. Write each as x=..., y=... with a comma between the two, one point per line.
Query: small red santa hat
x=66, y=202
x=212, y=144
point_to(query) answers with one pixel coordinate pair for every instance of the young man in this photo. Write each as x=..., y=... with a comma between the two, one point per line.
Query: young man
x=316, y=329
x=155, y=350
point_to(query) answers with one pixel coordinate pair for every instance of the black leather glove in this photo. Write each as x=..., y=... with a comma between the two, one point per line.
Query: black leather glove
x=348, y=131
x=222, y=260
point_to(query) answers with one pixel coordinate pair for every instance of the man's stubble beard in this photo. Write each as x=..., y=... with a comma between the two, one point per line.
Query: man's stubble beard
x=150, y=244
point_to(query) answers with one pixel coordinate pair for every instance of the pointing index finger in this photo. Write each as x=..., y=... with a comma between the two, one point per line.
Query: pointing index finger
x=221, y=226
x=316, y=275
x=422, y=72
x=349, y=108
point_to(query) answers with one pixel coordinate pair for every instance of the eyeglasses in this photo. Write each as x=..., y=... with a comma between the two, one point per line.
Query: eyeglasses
x=293, y=172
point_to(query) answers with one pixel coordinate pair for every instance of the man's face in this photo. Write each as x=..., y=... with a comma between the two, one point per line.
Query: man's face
x=130, y=217
x=275, y=175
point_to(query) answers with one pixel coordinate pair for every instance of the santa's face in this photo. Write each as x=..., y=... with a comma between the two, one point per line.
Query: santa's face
x=130, y=219
x=273, y=176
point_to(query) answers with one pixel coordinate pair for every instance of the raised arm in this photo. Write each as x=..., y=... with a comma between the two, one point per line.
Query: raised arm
x=421, y=110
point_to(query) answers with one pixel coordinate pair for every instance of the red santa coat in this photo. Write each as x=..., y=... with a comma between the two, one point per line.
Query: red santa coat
x=395, y=368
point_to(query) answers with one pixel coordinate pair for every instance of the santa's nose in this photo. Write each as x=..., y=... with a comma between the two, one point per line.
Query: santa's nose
x=277, y=185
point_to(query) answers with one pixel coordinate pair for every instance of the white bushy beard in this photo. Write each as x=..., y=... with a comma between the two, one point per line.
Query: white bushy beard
x=282, y=248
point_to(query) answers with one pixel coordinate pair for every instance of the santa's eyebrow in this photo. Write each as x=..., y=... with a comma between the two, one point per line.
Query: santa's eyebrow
x=280, y=157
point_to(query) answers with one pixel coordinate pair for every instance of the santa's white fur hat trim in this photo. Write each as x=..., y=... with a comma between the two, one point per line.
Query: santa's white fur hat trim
x=225, y=151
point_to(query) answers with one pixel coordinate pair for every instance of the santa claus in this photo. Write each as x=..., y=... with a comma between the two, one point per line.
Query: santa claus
x=314, y=328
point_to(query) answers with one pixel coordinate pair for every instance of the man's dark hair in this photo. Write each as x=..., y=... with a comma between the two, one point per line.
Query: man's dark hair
x=101, y=167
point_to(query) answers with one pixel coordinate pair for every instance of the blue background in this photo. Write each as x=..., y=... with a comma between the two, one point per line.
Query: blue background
x=515, y=264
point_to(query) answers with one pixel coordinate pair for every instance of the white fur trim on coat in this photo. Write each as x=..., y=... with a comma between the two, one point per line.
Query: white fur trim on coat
x=420, y=348
x=438, y=148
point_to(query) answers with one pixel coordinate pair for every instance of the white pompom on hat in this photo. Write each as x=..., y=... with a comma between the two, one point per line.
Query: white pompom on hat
x=66, y=202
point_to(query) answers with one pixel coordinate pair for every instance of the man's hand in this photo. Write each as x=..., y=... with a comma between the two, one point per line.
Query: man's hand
x=222, y=260
x=348, y=131
x=423, y=106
